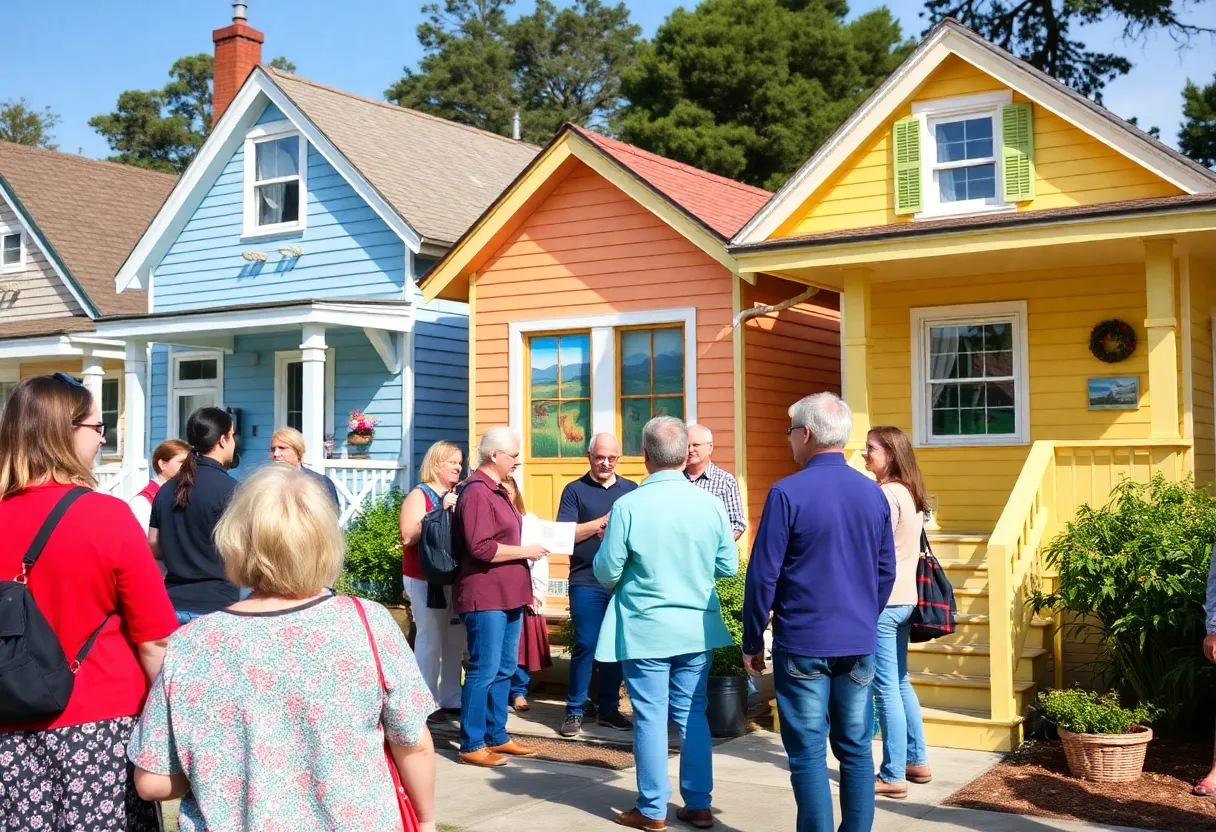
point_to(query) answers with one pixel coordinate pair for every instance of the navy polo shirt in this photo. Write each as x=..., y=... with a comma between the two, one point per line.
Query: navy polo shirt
x=194, y=570
x=585, y=500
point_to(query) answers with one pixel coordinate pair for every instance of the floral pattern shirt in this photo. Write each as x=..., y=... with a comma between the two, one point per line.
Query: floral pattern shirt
x=276, y=718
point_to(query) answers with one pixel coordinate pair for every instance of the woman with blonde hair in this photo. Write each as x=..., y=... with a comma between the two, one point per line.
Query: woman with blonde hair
x=167, y=460
x=440, y=638
x=272, y=713
x=93, y=579
x=287, y=446
x=889, y=457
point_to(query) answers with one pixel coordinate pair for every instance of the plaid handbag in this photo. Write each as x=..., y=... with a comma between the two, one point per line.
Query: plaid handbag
x=934, y=613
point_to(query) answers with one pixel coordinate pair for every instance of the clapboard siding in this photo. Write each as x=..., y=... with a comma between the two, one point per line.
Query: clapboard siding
x=39, y=291
x=1201, y=282
x=441, y=377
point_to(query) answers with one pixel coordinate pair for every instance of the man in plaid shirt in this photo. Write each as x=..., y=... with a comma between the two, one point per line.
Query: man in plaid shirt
x=701, y=472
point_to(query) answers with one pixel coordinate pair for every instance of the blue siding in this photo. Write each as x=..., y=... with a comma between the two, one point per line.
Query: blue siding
x=441, y=377
x=158, y=428
x=348, y=249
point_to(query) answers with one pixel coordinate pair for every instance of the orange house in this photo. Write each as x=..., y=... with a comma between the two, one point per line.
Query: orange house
x=601, y=294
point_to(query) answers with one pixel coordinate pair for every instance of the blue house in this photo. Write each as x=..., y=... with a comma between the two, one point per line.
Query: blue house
x=281, y=275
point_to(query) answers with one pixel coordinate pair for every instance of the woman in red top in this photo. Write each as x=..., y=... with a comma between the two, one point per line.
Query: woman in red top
x=439, y=644
x=71, y=772
x=167, y=460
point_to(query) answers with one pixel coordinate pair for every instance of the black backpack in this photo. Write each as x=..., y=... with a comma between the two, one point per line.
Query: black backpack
x=934, y=613
x=35, y=677
x=436, y=557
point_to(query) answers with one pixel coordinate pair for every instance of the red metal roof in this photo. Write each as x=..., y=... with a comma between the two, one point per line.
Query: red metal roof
x=721, y=204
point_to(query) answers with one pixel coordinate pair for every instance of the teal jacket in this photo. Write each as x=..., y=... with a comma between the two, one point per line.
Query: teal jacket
x=666, y=543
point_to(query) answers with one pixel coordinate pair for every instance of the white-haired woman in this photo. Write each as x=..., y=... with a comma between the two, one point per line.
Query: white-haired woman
x=271, y=714
x=491, y=591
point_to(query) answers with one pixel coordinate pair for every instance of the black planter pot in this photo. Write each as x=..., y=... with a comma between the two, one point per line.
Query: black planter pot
x=727, y=705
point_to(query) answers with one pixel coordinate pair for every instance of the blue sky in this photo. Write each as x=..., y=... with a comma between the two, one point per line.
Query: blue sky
x=78, y=55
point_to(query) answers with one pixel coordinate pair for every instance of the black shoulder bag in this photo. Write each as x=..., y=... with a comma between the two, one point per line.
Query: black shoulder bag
x=935, y=610
x=36, y=678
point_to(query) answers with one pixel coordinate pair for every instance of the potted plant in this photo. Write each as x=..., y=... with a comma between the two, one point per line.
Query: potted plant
x=1103, y=741
x=361, y=433
x=726, y=691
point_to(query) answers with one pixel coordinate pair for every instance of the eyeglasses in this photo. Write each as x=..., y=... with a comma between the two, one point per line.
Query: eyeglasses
x=604, y=460
x=793, y=428
x=99, y=427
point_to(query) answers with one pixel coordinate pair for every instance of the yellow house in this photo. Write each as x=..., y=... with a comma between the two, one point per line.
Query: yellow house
x=987, y=228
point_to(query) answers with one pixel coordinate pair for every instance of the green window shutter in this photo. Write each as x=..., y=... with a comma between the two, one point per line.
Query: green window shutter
x=1017, y=152
x=908, y=198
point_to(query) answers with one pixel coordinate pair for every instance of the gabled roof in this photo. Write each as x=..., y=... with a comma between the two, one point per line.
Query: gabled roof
x=705, y=208
x=86, y=215
x=949, y=37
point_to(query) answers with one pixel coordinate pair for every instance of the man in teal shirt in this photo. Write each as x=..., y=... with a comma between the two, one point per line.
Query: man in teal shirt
x=665, y=544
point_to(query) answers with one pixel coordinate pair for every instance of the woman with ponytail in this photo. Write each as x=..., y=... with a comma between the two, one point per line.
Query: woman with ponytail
x=185, y=512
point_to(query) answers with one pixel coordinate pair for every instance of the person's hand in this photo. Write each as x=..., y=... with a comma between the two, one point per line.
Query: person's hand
x=603, y=526
x=754, y=662
x=538, y=605
x=449, y=500
x=1209, y=648
x=535, y=552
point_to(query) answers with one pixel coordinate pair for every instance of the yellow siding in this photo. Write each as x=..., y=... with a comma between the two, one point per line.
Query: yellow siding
x=29, y=369
x=1071, y=167
x=1201, y=374
x=972, y=484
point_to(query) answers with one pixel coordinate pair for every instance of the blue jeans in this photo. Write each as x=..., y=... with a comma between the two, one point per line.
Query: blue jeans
x=903, y=733
x=827, y=699
x=587, y=607
x=493, y=657
x=519, y=682
x=184, y=617
x=657, y=688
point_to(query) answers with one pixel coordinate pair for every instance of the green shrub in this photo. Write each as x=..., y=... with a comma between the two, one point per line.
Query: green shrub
x=1134, y=572
x=373, y=551
x=1083, y=712
x=728, y=661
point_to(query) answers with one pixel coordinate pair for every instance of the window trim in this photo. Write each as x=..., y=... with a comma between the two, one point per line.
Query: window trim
x=192, y=387
x=943, y=110
x=619, y=397
x=115, y=376
x=922, y=318
x=526, y=433
x=281, y=359
x=22, y=257
x=257, y=135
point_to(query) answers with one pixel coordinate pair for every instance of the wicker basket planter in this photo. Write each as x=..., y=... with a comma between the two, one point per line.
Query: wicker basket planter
x=1106, y=758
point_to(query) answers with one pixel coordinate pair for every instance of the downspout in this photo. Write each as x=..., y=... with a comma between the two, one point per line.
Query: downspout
x=748, y=314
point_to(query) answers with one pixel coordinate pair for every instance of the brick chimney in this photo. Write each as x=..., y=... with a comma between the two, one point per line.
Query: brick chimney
x=238, y=49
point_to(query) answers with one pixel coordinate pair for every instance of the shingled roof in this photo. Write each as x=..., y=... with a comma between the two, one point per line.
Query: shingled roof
x=437, y=174
x=89, y=212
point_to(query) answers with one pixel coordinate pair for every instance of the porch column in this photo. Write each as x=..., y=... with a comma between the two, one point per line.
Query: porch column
x=92, y=373
x=134, y=462
x=855, y=342
x=312, y=350
x=1161, y=328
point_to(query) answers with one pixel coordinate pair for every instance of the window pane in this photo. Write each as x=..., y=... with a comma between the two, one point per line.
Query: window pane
x=279, y=157
x=11, y=249
x=1001, y=420
x=6, y=387
x=998, y=337
x=945, y=423
x=543, y=373
x=278, y=203
x=669, y=406
x=635, y=413
x=575, y=354
x=959, y=184
x=295, y=395
x=200, y=369
x=186, y=405
x=998, y=364
x=546, y=444
x=109, y=413
x=1000, y=394
x=635, y=362
x=573, y=424
x=669, y=361
x=958, y=141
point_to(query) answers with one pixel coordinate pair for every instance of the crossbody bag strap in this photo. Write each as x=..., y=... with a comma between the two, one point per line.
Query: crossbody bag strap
x=88, y=644
x=48, y=527
x=372, y=641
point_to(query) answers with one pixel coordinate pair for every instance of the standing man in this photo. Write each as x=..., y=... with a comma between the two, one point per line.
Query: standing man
x=823, y=563
x=663, y=549
x=702, y=473
x=587, y=502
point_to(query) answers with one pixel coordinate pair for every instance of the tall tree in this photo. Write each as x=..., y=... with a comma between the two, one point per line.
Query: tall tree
x=21, y=123
x=283, y=63
x=1197, y=138
x=749, y=88
x=1039, y=31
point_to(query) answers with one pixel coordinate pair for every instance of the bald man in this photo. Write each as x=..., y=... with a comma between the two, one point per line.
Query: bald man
x=701, y=472
x=587, y=502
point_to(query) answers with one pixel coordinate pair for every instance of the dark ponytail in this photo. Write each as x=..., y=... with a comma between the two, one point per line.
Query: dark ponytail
x=204, y=430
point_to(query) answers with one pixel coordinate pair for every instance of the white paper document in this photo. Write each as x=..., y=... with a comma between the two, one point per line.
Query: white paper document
x=558, y=538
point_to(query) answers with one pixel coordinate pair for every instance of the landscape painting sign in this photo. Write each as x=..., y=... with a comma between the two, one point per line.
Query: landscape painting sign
x=1114, y=393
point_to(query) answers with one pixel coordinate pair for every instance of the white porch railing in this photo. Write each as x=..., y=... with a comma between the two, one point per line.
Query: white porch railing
x=110, y=479
x=359, y=479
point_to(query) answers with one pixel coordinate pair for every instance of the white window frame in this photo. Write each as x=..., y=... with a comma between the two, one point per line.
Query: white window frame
x=257, y=135
x=281, y=359
x=193, y=387
x=924, y=318
x=963, y=108
x=115, y=376
x=19, y=266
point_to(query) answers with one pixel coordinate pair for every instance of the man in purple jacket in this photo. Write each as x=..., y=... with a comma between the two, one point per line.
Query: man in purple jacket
x=823, y=564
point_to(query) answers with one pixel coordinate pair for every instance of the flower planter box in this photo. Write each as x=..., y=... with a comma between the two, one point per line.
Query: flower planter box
x=1106, y=758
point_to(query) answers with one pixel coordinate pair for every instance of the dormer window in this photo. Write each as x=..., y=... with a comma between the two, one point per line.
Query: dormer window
x=12, y=251
x=965, y=167
x=276, y=163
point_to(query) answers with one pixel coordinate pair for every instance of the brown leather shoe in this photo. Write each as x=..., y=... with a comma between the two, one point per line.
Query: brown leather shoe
x=700, y=818
x=483, y=757
x=636, y=820
x=895, y=791
x=918, y=774
x=515, y=749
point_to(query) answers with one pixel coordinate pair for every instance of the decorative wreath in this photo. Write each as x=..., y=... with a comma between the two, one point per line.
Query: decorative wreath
x=1112, y=341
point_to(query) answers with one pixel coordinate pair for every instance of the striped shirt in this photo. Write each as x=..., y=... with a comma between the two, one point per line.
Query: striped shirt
x=723, y=486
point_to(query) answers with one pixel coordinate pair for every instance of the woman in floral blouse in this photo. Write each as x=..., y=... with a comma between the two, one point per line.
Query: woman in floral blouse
x=269, y=715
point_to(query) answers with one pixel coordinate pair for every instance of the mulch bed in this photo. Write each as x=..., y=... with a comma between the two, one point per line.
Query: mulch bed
x=1035, y=781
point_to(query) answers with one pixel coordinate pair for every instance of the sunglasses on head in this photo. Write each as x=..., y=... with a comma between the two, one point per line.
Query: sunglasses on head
x=68, y=380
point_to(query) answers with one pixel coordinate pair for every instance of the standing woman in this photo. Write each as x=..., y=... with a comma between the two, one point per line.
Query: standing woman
x=167, y=460
x=534, y=648
x=439, y=643
x=94, y=576
x=184, y=514
x=890, y=459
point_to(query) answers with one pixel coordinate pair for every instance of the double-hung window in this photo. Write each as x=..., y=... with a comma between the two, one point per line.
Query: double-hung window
x=109, y=414
x=651, y=380
x=196, y=380
x=970, y=375
x=12, y=251
x=276, y=166
x=289, y=401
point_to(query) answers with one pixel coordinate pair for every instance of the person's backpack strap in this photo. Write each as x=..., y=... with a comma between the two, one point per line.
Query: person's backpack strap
x=88, y=644
x=48, y=527
x=432, y=495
